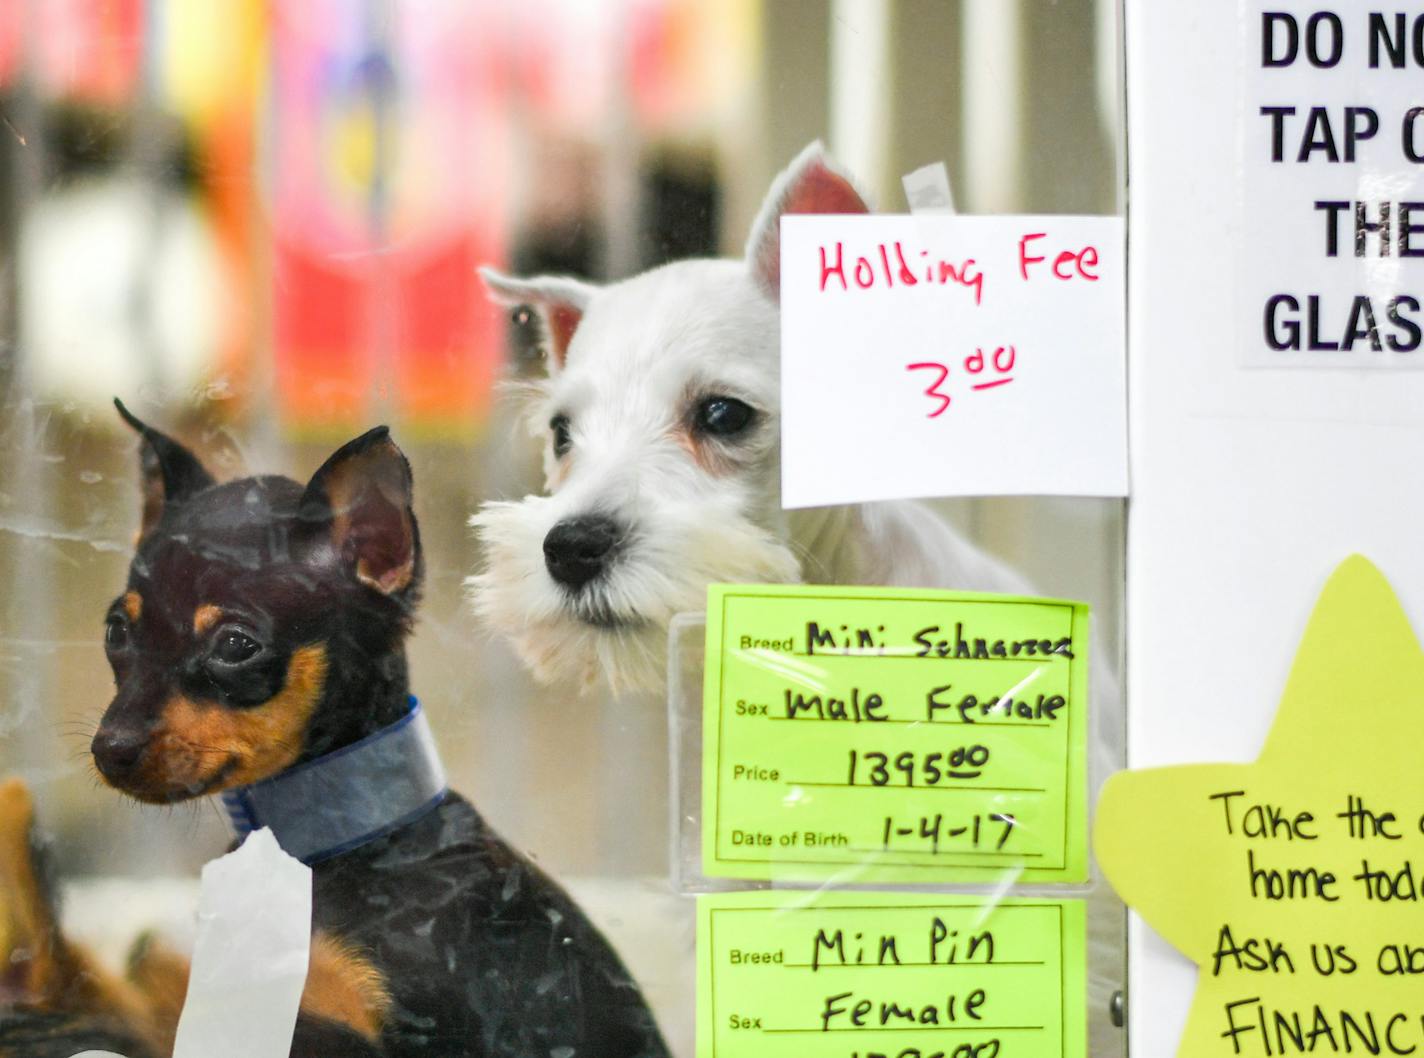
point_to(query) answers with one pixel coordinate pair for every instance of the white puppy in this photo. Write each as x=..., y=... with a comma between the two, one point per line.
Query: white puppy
x=660, y=417
x=661, y=426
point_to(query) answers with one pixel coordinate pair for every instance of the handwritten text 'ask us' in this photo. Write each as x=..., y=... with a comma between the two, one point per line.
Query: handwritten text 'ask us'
x=889, y=265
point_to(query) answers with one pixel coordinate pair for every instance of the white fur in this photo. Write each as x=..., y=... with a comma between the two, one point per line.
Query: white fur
x=644, y=351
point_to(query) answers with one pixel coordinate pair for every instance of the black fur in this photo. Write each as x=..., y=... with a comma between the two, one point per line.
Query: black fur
x=326, y=1039
x=37, y=1034
x=484, y=955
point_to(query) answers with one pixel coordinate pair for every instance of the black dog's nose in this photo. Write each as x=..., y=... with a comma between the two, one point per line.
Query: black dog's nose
x=577, y=549
x=117, y=753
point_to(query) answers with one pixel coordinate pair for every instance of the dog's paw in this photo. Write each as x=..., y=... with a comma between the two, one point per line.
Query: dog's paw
x=160, y=976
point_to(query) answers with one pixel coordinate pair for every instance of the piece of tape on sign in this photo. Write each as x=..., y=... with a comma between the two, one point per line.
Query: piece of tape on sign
x=250, y=957
x=927, y=189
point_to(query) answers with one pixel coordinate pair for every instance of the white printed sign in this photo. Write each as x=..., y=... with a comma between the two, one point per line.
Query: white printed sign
x=951, y=356
x=1330, y=248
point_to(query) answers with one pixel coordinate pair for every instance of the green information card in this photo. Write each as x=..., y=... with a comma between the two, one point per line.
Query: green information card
x=894, y=735
x=879, y=975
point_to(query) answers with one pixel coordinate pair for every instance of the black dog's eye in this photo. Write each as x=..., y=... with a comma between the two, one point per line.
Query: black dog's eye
x=724, y=416
x=235, y=646
x=559, y=427
x=116, y=632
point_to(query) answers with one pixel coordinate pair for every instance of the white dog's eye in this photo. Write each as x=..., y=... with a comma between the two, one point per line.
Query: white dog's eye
x=559, y=426
x=724, y=416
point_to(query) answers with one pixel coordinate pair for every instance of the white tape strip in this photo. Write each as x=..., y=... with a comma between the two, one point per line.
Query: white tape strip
x=250, y=957
x=927, y=189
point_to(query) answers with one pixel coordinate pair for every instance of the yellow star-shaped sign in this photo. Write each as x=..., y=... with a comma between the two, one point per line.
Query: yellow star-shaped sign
x=1297, y=883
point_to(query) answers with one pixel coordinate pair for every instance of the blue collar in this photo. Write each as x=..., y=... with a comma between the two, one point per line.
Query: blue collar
x=349, y=797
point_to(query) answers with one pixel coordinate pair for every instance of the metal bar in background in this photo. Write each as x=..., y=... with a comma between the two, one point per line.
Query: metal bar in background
x=1067, y=150
x=860, y=103
x=927, y=124
x=792, y=107
x=991, y=59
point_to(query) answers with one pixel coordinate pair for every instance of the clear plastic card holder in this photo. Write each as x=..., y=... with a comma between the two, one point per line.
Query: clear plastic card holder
x=1106, y=915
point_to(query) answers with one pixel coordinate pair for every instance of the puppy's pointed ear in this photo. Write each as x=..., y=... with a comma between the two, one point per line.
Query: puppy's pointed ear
x=171, y=473
x=357, y=510
x=810, y=184
x=558, y=302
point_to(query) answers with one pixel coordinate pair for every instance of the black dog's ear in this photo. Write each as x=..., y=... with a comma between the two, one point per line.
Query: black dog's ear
x=359, y=503
x=171, y=473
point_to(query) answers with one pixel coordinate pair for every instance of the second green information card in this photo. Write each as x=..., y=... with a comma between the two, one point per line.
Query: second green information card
x=889, y=975
x=894, y=735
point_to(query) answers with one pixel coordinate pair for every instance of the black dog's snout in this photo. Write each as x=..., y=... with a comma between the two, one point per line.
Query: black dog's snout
x=578, y=549
x=117, y=753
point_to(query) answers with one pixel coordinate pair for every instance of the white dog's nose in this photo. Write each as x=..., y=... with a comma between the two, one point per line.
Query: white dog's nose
x=578, y=549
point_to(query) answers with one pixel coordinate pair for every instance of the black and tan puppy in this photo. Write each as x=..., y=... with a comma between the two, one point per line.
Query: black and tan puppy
x=258, y=651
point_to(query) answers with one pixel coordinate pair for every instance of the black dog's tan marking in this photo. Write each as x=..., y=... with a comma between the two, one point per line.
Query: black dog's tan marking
x=202, y=744
x=269, y=631
x=205, y=617
x=344, y=986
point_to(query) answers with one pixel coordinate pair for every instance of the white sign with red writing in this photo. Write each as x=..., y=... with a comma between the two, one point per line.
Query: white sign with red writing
x=951, y=356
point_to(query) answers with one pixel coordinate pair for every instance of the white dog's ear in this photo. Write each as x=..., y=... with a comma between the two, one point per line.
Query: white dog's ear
x=810, y=184
x=559, y=302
